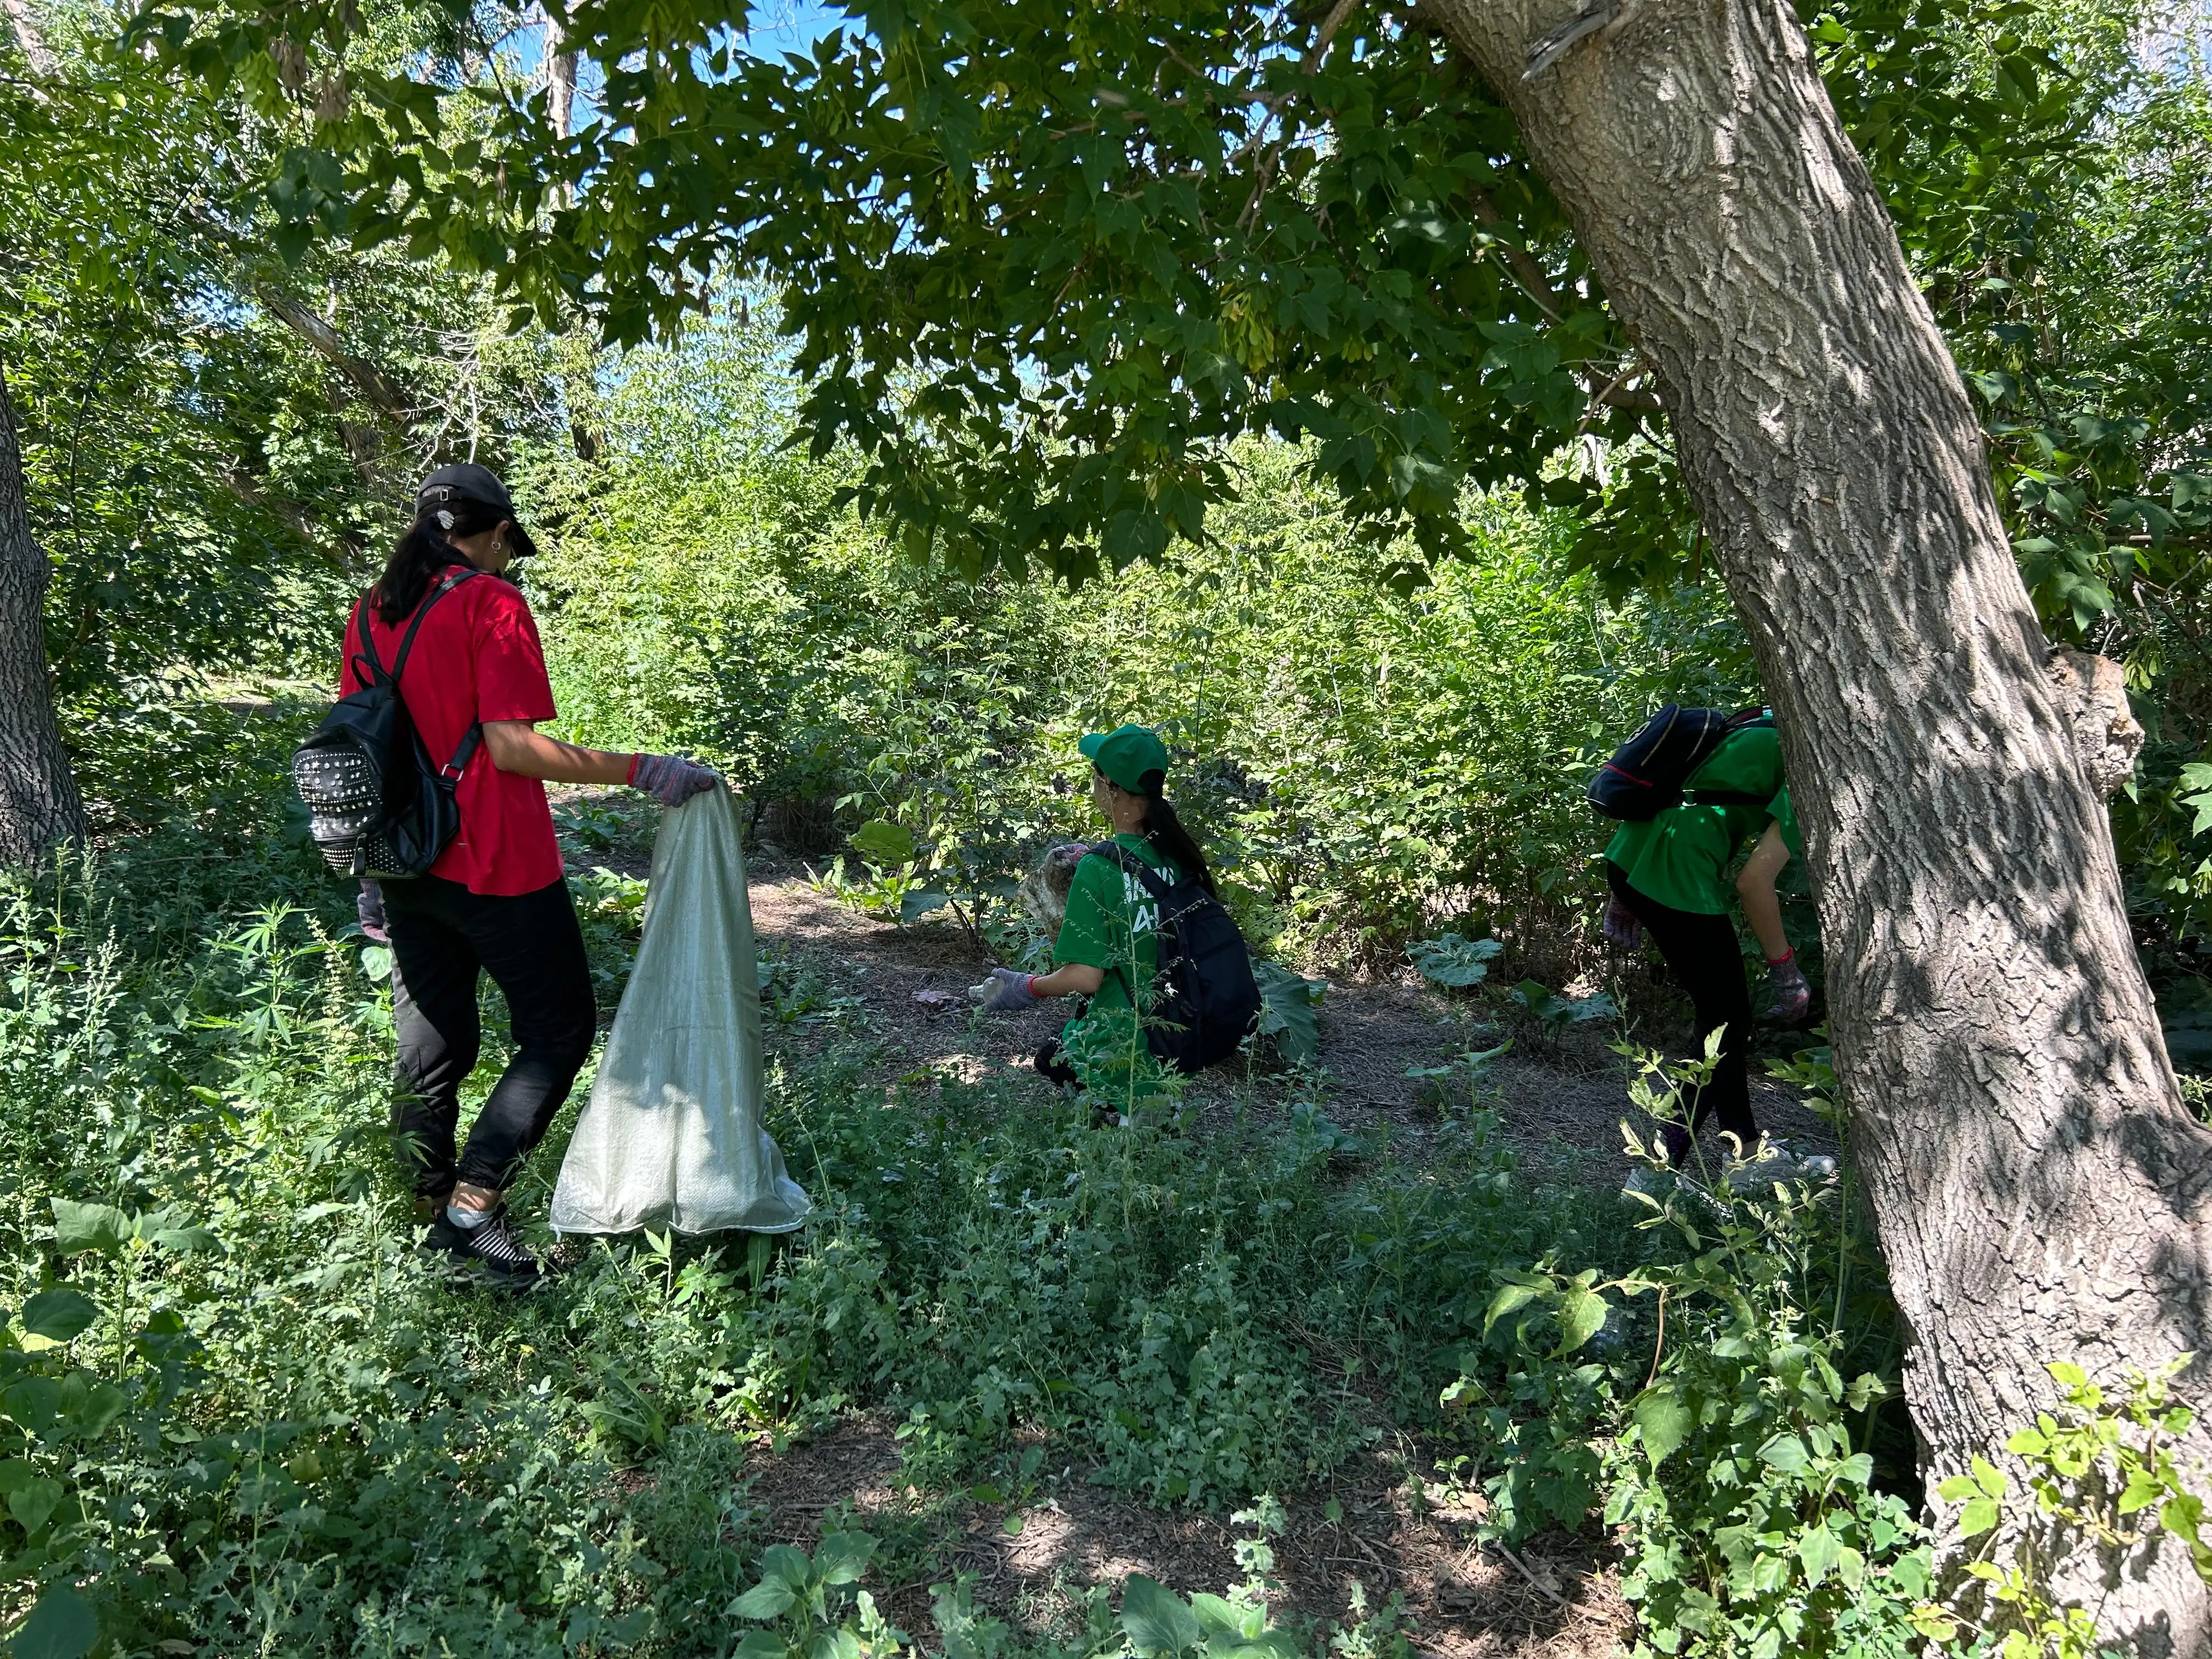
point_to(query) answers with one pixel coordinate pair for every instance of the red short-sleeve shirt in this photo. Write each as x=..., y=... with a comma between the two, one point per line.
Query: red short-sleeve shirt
x=476, y=659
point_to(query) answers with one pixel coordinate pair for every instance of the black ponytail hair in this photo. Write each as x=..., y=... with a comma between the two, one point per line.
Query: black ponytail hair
x=1161, y=827
x=421, y=553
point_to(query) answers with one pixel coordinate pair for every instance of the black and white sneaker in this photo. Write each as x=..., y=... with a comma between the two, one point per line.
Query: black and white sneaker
x=439, y=1235
x=495, y=1244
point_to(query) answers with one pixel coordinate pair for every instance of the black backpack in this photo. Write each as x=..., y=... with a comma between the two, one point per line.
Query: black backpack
x=1646, y=774
x=1204, y=1001
x=378, y=805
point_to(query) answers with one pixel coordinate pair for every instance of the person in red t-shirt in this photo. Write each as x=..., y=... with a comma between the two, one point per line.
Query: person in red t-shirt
x=495, y=902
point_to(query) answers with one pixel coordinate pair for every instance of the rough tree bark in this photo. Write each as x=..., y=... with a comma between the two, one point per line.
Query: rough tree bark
x=2041, y=1192
x=39, y=801
x=23, y=18
x=560, y=70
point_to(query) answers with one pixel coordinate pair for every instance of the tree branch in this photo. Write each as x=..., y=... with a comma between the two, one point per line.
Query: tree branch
x=375, y=385
x=29, y=36
x=1518, y=260
x=1265, y=176
x=1329, y=26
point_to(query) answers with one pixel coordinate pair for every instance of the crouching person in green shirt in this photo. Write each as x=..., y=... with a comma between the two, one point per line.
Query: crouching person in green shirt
x=1108, y=946
x=1669, y=878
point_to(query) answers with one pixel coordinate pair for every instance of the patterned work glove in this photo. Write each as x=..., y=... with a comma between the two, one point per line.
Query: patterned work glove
x=1004, y=991
x=368, y=905
x=1621, y=927
x=1793, y=997
x=671, y=778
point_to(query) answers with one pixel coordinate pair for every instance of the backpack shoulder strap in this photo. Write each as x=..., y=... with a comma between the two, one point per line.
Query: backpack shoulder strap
x=367, y=651
x=407, y=643
x=1155, y=883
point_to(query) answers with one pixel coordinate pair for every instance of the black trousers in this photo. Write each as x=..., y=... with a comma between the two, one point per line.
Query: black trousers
x=1050, y=1067
x=1703, y=954
x=442, y=936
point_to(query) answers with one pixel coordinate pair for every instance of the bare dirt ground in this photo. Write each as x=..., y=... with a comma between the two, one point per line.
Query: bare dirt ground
x=1380, y=1526
x=1466, y=1601
x=1562, y=1111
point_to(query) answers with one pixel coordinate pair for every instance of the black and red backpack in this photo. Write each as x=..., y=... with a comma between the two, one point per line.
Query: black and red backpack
x=378, y=804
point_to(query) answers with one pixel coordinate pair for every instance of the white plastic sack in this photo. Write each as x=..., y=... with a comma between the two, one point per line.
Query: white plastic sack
x=671, y=1135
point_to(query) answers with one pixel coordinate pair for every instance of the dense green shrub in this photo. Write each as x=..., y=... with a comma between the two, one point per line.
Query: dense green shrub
x=1366, y=758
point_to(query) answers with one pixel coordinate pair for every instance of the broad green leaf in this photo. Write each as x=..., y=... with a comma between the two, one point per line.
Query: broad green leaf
x=81, y=1227
x=842, y=1557
x=760, y=1644
x=2142, y=1491
x=1786, y=1453
x=1662, y=1423
x=1510, y=1298
x=1582, y=1314
x=881, y=841
x=1453, y=961
x=769, y=1599
x=1913, y=1570
x=1978, y=1517
x=916, y=902
x=1156, y=1621
x=1851, y=1567
x=840, y=1643
x=1820, y=1550
x=787, y=1563
x=1217, y=1613
x=1287, y=1011
x=59, y=1314
x=1989, y=1477
x=32, y=1504
x=1932, y=1622
x=64, y=1625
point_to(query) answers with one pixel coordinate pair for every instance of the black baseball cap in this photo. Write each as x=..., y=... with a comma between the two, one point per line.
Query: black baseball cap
x=465, y=483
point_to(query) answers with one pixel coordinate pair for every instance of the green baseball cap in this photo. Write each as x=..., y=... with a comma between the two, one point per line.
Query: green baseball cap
x=1126, y=754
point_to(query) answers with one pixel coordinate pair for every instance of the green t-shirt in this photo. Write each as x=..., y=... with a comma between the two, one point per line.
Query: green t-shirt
x=1680, y=857
x=1113, y=923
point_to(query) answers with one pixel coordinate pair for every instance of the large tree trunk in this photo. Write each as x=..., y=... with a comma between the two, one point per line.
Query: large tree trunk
x=2042, y=1193
x=39, y=802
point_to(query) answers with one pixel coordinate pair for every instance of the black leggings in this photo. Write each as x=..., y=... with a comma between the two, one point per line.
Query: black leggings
x=1705, y=959
x=1050, y=1067
x=442, y=935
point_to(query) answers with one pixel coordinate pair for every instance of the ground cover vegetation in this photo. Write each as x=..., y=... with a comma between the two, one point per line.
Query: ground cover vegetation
x=224, y=385
x=195, y=1061
x=1042, y=270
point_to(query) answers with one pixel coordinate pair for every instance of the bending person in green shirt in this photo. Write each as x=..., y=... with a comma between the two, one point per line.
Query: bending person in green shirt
x=1108, y=942
x=1670, y=877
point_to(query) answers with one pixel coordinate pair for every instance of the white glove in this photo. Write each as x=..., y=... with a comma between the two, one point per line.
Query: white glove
x=1004, y=991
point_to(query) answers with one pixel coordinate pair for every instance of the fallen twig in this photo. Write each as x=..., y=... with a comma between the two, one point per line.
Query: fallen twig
x=1534, y=1582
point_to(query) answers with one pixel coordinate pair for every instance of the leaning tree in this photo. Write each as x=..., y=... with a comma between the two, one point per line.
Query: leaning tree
x=1042, y=266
